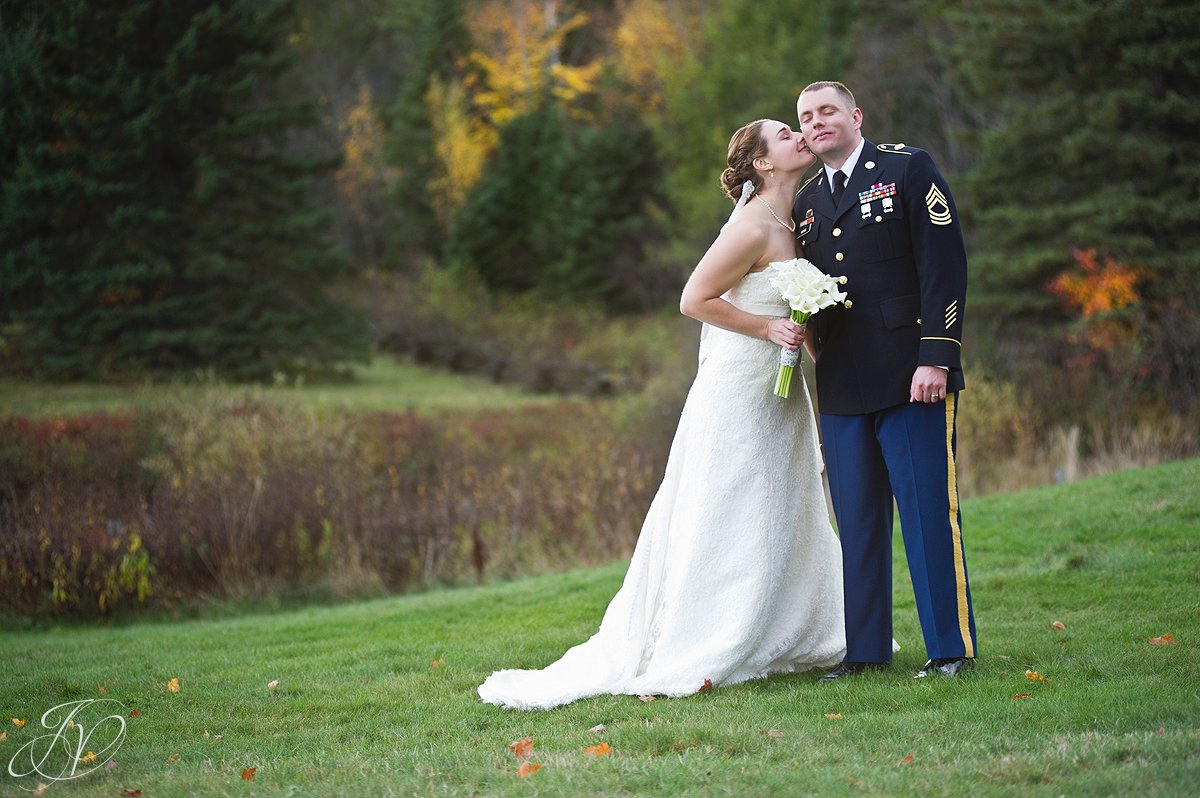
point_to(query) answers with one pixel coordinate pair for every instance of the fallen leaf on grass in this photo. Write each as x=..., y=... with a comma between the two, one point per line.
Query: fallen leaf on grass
x=133, y=713
x=131, y=793
x=774, y=734
x=437, y=663
x=646, y=699
x=18, y=722
x=1164, y=640
x=1058, y=626
x=87, y=758
x=100, y=687
x=599, y=749
x=40, y=790
x=522, y=748
x=907, y=760
x=1034, y=676
x=111, y=766
x=173, y=686
x=3, y=736
x=172, y=758
x=1160, y=730
x=597, y=729
x=706, y=687
x=834, y=715
x=1020, y=695
x=248, y=774
x=271, y=685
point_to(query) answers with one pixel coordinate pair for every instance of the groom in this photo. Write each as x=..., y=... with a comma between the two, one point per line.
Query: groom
x=888, y=377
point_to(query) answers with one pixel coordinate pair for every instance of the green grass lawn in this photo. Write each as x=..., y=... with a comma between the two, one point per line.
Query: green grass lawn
x=360, y=711
x=385, y=384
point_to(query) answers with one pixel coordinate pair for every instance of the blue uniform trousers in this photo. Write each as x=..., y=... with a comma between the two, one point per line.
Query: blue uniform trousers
x=906, y=451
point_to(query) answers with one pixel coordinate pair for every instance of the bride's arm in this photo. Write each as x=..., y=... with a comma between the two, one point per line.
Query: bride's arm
x=738, y=248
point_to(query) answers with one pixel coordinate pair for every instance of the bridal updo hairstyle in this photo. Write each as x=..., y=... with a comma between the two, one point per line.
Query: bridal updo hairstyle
x=746, y=145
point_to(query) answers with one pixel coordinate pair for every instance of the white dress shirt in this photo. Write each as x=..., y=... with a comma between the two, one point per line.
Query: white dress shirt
x=848, y=167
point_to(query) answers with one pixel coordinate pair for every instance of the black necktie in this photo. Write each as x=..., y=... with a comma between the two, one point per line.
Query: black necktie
x=839, y=187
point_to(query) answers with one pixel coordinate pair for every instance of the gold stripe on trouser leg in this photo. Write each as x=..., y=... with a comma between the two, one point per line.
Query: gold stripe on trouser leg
x=960, y=566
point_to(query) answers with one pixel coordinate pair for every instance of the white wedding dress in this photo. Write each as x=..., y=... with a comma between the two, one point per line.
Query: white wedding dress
x=737, y=572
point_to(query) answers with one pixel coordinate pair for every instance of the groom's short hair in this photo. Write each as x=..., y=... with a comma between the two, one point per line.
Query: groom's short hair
x=841, y=89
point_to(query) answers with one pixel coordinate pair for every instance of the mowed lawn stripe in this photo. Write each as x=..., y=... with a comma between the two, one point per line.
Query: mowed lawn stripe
x=377, y=697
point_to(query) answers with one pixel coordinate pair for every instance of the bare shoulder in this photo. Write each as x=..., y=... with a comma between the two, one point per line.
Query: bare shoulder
x=740, y=244
x=744, y=232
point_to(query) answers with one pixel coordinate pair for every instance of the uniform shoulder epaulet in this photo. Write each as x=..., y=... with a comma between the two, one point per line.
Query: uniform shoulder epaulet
x=806, y=182
x=900, y=149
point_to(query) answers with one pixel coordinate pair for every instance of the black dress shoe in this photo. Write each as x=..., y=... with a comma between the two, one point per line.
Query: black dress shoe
x=946, y=666
x=851, y=668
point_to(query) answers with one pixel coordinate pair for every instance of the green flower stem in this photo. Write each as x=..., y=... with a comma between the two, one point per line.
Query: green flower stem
x=783, y=381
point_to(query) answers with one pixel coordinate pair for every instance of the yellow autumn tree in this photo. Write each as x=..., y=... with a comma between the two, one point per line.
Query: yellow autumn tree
x=364, y=177
x=651, y=35
x=462, y=142
x=515, y=65
x=519, y=58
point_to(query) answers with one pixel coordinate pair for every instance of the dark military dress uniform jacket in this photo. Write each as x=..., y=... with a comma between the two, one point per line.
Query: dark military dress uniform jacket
x=895, y=235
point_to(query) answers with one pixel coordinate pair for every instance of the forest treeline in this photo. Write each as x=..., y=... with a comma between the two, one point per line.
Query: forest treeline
x=192, y=185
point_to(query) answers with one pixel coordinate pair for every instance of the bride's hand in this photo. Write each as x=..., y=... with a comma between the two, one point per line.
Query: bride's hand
x=785, y=332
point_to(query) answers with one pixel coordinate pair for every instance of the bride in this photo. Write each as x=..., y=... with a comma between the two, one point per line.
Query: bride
x=737, y=573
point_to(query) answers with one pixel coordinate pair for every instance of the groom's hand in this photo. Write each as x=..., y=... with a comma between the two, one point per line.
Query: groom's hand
x=928, y=384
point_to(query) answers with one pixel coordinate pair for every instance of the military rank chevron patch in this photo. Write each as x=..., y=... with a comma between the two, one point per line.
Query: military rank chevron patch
x=939, y=208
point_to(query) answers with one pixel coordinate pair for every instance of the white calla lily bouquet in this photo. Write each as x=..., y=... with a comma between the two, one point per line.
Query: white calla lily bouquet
x=807, y=290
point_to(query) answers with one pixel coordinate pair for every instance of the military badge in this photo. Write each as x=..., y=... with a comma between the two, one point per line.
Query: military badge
x=806, y=225
x=939, y=208
x=877, y=191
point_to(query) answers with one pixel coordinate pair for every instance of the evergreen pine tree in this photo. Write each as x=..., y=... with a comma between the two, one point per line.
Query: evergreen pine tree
x=440, y=41
x=1094, y=108
x=558, y=205
x=154, y=214
x=500, y=233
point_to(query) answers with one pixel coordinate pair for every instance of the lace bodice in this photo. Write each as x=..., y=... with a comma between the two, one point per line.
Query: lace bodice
x=755, y=294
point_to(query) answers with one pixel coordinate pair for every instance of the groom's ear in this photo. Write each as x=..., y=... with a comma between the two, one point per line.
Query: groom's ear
x=856, y=116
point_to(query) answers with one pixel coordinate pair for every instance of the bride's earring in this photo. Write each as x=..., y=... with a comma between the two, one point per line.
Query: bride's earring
x=771, y=174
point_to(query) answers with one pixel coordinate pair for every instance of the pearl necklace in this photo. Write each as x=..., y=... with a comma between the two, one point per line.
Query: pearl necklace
x=790, y=228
